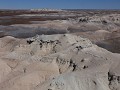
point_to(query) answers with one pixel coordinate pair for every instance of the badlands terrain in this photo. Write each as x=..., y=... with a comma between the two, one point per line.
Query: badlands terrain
x=47, y=49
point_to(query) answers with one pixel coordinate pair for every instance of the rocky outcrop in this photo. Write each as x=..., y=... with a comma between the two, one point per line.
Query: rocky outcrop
x=57, y=62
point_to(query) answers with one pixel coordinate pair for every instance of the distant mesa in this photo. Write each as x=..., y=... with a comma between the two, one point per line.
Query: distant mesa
x=46, y=9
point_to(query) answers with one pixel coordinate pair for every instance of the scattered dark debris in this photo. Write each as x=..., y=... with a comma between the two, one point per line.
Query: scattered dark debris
x=29, y=41
x=85, y=67
x=79, y=47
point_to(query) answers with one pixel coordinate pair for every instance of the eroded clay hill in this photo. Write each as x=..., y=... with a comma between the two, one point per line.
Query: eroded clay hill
x=57, y=62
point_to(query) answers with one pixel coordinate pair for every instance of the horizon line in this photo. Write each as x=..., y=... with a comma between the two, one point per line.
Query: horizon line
x=59, y=9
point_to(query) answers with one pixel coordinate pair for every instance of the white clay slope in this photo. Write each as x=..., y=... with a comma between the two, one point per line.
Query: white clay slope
x=57, y=62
